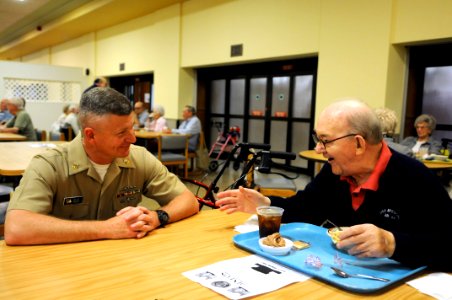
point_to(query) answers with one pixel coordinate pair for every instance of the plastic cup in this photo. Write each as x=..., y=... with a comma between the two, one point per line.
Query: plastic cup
x=269, y=219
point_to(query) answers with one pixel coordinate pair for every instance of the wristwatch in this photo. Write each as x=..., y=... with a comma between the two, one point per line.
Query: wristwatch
x=163, y=217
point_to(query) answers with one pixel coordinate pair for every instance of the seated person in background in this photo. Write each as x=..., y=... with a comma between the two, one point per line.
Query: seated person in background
x=388, y=123
x=141, y=113
x=98, y=82
x=191, y=125
x=89, y=188
x=72, y=118
x=158, y=122
x=423, y=143
x=21, y=122
x=5, y=115
x=394, y=205
x=56, y=126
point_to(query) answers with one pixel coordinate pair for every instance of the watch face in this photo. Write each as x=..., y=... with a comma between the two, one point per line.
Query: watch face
x=163, y=217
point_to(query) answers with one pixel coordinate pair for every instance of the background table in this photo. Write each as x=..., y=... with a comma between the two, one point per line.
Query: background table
x=437, y=164
x=149, y=268
x=15, y=156
x=143, y=134
x=312, y=155
x=5, y=136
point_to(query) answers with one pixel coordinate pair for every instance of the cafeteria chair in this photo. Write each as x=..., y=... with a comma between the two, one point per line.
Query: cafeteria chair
x=5, y=192
x=269, y=183
x=41, y=135
x=173, y=151
x=202, y=162
x=67, y=132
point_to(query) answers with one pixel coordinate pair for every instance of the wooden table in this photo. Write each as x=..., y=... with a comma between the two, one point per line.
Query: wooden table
x=149, y=268
x=312, y=155
x=437, y=164
x=15, y=156
x=6, y=136
x=315, y=157
x=143, y=134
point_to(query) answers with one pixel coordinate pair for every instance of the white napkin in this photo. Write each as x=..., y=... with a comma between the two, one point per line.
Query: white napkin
x=249, y=225
x=46, y=145
x=437, y=285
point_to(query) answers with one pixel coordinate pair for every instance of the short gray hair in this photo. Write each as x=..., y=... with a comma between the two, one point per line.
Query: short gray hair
x=17, y=102
x=361, y=119
x=428, y=119
x=103, y=101
x=159, y=109
x=191, y=109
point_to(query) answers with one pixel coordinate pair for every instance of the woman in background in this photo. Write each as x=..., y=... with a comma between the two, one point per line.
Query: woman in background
x=388, y=122
x=423, y=143
x=158, y=122
x=56, y=126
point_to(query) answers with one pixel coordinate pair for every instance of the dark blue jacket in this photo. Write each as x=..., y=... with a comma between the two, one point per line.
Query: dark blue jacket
x=410, y=202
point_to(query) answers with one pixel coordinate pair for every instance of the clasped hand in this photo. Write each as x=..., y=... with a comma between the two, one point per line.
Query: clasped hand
x=135, y=221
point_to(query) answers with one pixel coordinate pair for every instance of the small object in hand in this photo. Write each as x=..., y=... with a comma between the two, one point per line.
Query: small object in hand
x=334, y=233
x=300, y=245
x=274, y=240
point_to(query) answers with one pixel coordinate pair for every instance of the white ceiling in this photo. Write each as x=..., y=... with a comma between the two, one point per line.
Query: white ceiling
x=31, y=25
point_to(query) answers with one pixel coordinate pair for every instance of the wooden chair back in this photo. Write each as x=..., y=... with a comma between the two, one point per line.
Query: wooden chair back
x=68, y=133
x=41, y=135
x=191, y=154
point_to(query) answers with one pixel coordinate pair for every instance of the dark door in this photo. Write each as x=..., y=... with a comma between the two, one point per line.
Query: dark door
x=271, y=103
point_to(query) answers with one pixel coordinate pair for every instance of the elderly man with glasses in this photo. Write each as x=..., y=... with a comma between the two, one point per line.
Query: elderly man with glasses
x=394, y=207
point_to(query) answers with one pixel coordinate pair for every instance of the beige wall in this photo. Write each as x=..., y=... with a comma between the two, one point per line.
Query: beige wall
x=39, y=57
x=148, y=44
x=360, y=44
x=420, y=21
x=354, y=52
x=77, y=53
x=266, y=28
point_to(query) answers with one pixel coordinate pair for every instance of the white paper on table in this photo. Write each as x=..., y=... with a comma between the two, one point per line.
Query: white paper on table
x=244, y=277
x=437, y=285
x=249, y=225
x=43, y=145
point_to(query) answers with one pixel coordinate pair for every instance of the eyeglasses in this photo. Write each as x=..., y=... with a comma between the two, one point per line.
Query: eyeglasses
x=325, y=142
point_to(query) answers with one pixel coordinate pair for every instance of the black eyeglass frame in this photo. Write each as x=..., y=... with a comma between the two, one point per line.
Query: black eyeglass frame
x=324, y=143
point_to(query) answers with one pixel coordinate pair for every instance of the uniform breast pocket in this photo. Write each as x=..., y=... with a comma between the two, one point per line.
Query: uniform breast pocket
x=75, y=208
